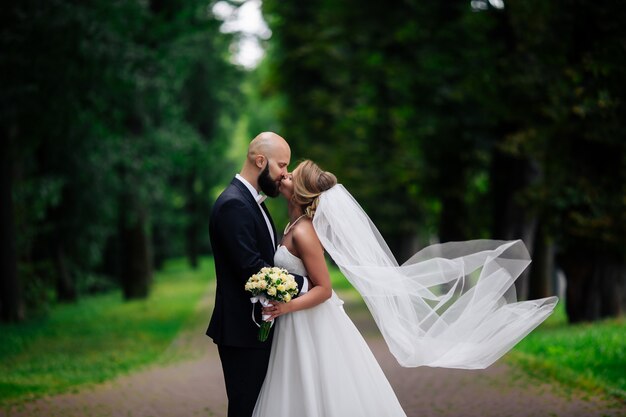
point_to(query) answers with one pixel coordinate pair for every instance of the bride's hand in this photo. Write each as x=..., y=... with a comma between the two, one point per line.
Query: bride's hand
x=276, y=309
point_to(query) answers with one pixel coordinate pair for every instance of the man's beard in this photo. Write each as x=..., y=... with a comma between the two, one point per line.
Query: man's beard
x=267, y=184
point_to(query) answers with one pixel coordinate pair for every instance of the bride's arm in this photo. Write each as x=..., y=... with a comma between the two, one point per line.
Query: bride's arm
x=311, y=252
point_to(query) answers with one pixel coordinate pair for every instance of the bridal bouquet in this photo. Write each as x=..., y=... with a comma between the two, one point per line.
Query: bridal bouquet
x=270, y=284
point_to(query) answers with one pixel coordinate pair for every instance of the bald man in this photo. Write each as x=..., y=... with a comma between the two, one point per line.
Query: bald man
x=243, y=238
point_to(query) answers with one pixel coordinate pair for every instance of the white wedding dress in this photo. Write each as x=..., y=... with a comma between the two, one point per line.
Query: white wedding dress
x=320, y=365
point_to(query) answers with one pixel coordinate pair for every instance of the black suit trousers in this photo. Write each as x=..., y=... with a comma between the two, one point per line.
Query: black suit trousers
x=244, y=371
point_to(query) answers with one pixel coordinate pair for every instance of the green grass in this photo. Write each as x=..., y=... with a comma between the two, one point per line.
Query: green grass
x=591, y=356
x=102, y=337
x=337, y=280
x=99, y=337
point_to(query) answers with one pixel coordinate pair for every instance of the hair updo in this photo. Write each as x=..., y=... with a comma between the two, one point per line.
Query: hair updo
x=309, y=181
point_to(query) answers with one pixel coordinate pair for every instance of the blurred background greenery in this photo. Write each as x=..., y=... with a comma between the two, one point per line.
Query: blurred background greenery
x=121, y=121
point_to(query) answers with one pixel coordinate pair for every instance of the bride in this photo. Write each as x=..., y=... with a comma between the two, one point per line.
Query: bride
x=320, y=364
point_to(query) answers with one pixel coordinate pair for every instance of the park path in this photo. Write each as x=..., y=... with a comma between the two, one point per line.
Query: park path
x=195, y=388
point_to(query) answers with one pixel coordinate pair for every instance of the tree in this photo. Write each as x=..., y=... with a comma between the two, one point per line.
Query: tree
x=97, y=106
x=575, y=135
x=464, y=120
x=10, y=291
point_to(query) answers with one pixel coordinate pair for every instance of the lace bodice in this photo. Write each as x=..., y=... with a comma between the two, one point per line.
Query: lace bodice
x=285, y=259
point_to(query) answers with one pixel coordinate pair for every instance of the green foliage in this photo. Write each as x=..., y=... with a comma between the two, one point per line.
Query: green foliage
x=120, y=114
x=411, y=99
x=573, y=89
x=98, y=338
x=128, y=115
x=591, y=356
x=388, y=98
x=450, y=121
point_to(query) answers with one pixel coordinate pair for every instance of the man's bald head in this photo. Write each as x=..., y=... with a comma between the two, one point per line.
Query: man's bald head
x=268, y=157
x=267, y=144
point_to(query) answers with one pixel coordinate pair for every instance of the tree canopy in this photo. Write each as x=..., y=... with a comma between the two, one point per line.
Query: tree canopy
x=112, y=123
x=462, y=120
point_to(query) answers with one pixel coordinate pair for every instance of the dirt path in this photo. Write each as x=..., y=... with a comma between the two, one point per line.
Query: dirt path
x=195, y=388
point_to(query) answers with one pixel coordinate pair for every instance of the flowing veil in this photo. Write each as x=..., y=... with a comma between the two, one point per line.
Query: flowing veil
x=450, y=305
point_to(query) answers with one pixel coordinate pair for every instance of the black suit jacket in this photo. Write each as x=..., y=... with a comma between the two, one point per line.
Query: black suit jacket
x=242, y=245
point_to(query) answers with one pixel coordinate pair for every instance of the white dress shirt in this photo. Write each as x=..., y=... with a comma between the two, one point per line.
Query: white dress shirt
x=259, y=199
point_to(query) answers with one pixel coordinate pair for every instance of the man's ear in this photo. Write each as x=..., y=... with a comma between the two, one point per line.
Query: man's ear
x=260, y=161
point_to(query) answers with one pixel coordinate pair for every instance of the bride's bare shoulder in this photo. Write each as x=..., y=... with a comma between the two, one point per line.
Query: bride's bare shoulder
x=304, y=234
x=303, y=228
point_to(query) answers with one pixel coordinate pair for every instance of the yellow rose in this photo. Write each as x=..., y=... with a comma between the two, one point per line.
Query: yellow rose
x=287, y=297
x=271, y=291
x=281, y=288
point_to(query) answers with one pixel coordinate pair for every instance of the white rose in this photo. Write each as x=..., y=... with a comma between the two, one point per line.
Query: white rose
x=281, y=288
x=287, y=297
x=271, y=291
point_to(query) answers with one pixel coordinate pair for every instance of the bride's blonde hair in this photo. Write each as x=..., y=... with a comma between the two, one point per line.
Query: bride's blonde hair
x=309, y=181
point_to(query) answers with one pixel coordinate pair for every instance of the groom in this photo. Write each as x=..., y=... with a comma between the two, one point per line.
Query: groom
x=244, y=240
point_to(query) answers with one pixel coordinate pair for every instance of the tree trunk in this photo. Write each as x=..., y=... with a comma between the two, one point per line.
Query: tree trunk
x=611, y=276
x=136, y=273
x=191, y=234
x=159, y=245
x=452, y=219
x=542, y=271
x=112, y=257
x=451, y=228
x=509, y=175
x=65, y=286
x=596, y=283
x=403, y=246
x=10, y=292
x=192, y=245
